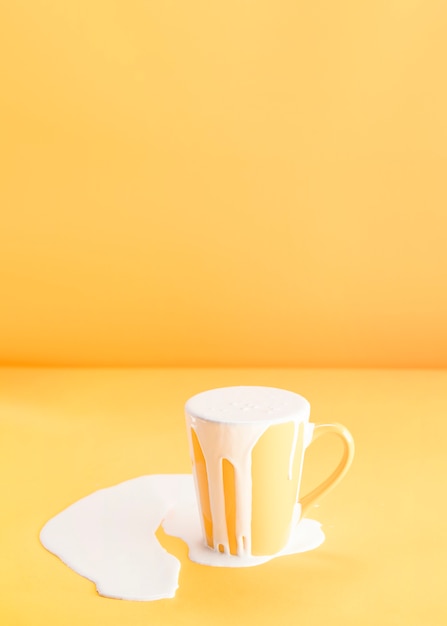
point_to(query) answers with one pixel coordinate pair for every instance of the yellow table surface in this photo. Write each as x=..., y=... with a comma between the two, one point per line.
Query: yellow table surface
x=66, y=433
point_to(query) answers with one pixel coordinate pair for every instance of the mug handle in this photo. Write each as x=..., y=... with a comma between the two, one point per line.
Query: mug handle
x=342, y=467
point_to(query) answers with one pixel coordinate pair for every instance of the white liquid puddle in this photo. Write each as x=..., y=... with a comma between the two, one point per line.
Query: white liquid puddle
x=109, y=537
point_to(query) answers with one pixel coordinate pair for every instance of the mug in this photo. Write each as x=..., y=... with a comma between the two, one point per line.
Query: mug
x=247, y=447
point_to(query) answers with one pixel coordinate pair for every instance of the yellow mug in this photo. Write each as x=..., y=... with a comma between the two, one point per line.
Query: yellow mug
x=247, y=448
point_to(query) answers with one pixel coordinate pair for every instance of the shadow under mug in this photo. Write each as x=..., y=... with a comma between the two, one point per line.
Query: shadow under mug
x=247, y=446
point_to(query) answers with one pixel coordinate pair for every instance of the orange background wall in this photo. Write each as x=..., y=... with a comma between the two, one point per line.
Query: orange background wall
x=227, y=183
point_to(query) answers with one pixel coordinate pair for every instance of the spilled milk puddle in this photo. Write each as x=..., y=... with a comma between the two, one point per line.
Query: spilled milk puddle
x=110, y=537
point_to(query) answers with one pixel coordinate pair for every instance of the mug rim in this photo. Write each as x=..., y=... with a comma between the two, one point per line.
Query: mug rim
x=236, y=412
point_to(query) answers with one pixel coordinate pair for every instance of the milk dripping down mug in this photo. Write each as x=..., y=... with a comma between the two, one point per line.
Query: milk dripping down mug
x=247, y=448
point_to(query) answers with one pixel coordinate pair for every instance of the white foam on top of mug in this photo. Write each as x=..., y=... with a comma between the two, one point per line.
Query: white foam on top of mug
x=228, y=423
x=248, y=404
x=109, y=537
